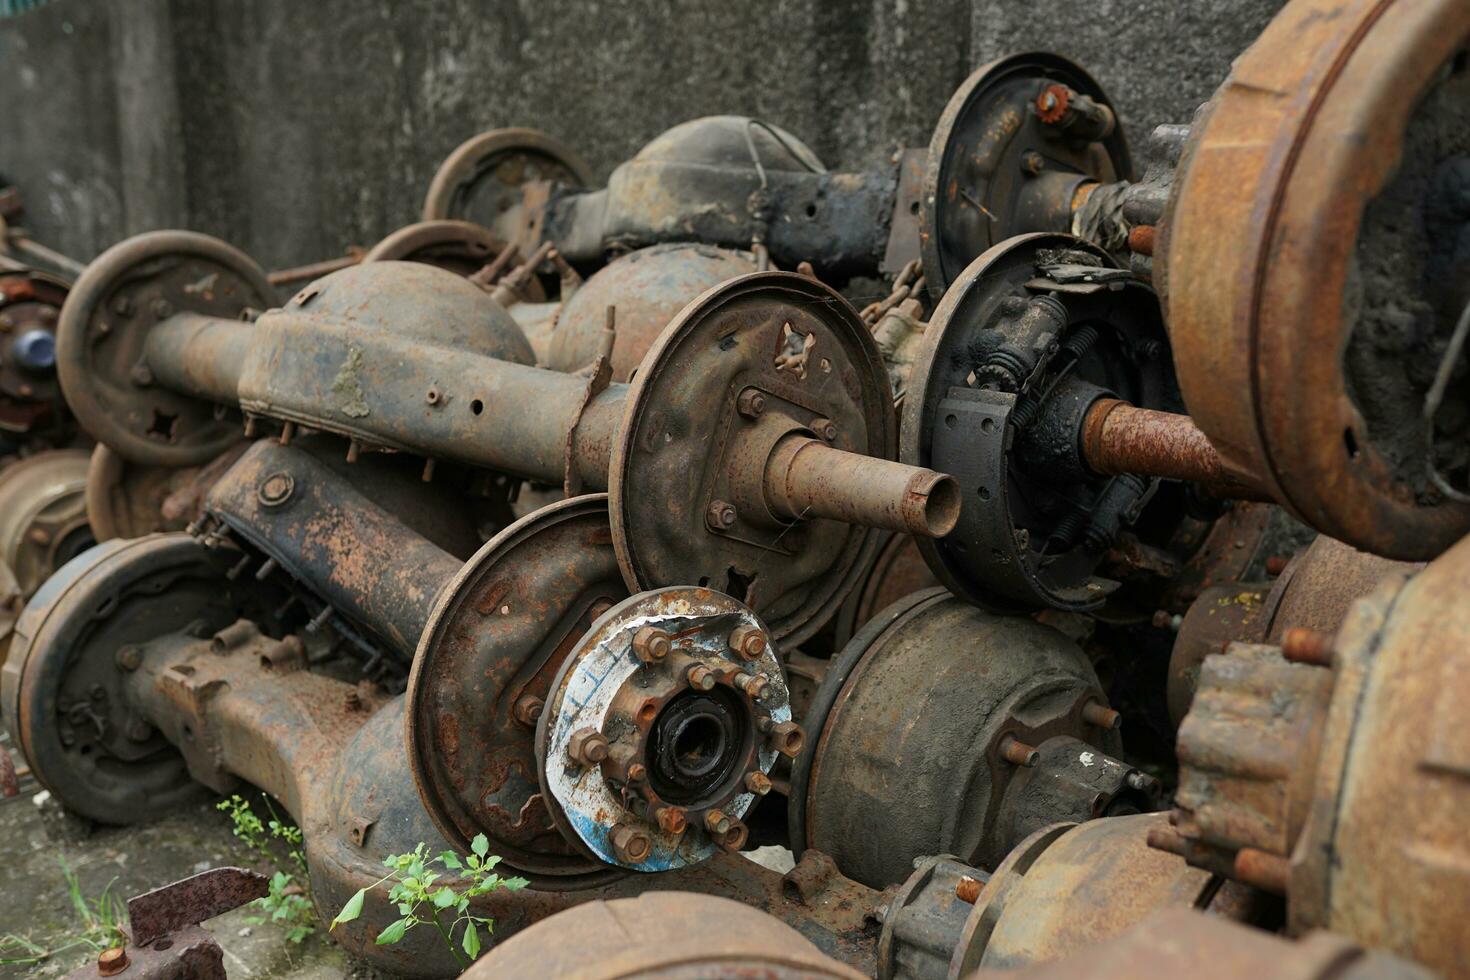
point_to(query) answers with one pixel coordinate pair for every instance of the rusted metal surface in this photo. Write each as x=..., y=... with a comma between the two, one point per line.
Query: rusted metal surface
x=982, y=185
x=878, y=784
x=460, y=247
x=1122, y=438
x=129, y=500
x=1180, y=942
x=9, y=780
x=1342, y=786
x=43, y=520
x=189, y=902
x=897, y=570
x=187, y=954
x=646, y=289
x=1261, y=248
x=664, y=935
x=31, y=406
x=1061, y=891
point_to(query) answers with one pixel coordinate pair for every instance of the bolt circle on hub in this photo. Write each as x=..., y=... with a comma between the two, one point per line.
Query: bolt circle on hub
x=104, y=326
x=688, y=742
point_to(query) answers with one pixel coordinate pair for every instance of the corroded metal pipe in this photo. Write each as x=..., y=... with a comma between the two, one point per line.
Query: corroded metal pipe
x=1121, y=438
x=806, y=478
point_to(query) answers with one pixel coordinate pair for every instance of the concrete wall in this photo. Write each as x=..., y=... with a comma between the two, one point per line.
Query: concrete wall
x=296, y=127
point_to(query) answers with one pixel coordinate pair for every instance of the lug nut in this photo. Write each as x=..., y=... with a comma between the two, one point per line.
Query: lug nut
x=825, y=429
x=716, y=822
x=747, y=642
x=754, y=685
x=787, y=738
x=651, y=644
x=1096, y=713
x=129, y=658
x=637, y=772
x=672, y=819
x=720, y=517
x=587, y=747
x=968, y=889
x=734, y=838
x=700, y=677
x=751, y=403
x=758, y=782
x=1018, y=753
x=1032, y=162
x=528, y=710
x=630, y=844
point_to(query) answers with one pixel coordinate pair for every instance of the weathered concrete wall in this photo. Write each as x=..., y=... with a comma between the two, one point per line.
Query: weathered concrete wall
x=294, y=129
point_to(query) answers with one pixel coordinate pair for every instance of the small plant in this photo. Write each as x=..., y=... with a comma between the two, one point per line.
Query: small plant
x=424, y=899
x=99, y=922
x=288, y=904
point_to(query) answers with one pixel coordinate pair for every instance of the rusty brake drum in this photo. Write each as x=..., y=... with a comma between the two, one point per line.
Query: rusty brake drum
x=1032, y=334
x=30, y=302
x=1002, y=162
x=1315, y=275
x=483, y=180
x=65, y=679
x=750, y=362
x=498, y=634
x=460, y=247
x=104, y=325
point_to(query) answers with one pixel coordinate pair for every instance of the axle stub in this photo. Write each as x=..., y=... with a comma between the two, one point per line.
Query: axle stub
x=650, y=762
x=1032, y=335
x=105, y=323
x=1020, y=142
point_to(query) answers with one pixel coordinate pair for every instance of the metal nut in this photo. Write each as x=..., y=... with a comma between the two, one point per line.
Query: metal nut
x=787, y=738
x=720, y=516
x=651, y=644
x=967, y=889
x=631, y=845
x=747, y=642
x=825, y=428
x=111, y=962
x=129, y=658
x=754, y=685
x=750, y=403
x=758, y=782
x=276, y=489
x=716, y=822
x=528, y=709
x=672, y=819
x=587, y=747
x=700, y=677
x=734, y=837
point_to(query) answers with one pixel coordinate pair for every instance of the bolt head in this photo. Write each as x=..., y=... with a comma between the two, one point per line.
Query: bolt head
x=700, y=677
x=825, y=429
x=672, y=819
x=716, y=822
x=630, y=844
x=751, y=403
x=651, y=644
x=1032, y=162
x=747, y=642
x=276, y=489
x=720, y=516
x=111, y=962
x=587, y=747
x=129, y=658
x=528, y=709
x=758, y=782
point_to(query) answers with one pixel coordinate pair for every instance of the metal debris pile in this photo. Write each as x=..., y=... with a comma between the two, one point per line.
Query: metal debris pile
x=599, y=522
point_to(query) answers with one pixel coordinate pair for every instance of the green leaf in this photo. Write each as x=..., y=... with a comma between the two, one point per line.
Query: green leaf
x=471, y=941
x=514, y=884
x=351, y=910
x=480, y=845
x=450, y=860
x=492, y=860
x=444, y=897
x=393, y=932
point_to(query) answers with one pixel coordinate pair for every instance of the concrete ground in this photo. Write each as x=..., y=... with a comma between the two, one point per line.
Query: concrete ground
x=36, y=835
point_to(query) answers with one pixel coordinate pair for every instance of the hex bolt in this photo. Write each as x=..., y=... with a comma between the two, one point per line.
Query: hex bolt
x=716, y=822
x=968, y=889
x=787, y=738
x=651, y=644
x=750, y=403
x=748, y=642
x=1142, y=782
x=720, y=516
x=1094, y=712
x=754, y=685
x=129, y=658
x=637, y=772
x=111, y=962
x=1032, y=162
x=631, y=845
x=757, y=782
x=587, y=747
x=528, y=710
x=826, y=429
x=1301, y=645
x=1018, y=753
x=700, y=677
x=672, y=819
